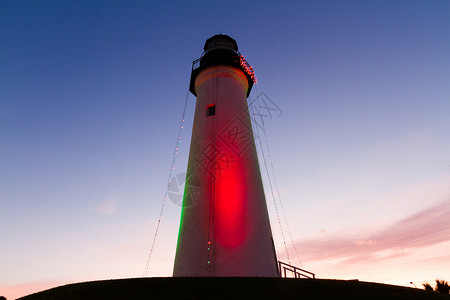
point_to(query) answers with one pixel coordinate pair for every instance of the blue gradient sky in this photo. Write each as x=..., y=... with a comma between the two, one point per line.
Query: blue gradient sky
x=91, y=95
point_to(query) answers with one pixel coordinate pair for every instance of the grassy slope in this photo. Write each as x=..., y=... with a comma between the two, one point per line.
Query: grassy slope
x=231, y=288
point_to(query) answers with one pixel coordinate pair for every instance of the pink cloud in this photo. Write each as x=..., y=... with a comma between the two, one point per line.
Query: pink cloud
x=426, y=228
x=107, y=207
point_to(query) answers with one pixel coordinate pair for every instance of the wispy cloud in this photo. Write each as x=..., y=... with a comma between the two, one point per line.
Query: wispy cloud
x=107, y=207
x=426, y=228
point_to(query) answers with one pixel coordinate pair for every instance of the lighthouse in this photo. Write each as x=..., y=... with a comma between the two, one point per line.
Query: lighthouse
x=224, y=227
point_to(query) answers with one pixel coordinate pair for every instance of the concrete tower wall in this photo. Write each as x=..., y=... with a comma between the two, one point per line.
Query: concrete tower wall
x=224, y=229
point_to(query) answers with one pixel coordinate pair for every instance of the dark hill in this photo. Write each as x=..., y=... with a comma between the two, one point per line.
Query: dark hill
x=231, y=288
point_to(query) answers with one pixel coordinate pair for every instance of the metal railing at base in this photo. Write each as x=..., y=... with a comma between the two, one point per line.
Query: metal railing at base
x=290, y=271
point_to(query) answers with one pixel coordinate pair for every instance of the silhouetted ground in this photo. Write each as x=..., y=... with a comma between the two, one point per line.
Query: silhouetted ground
x=231, y=288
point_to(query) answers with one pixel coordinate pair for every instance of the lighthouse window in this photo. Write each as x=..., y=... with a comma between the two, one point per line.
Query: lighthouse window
x=211, y=110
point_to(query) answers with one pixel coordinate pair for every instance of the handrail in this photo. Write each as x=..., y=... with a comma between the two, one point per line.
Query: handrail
x=196, y=63
x=297, y=272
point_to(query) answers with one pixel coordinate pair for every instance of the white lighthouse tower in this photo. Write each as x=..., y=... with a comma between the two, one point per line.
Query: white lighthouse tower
x=225, y=228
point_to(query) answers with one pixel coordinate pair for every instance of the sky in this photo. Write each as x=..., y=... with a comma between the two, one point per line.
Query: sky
x=91, y=98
